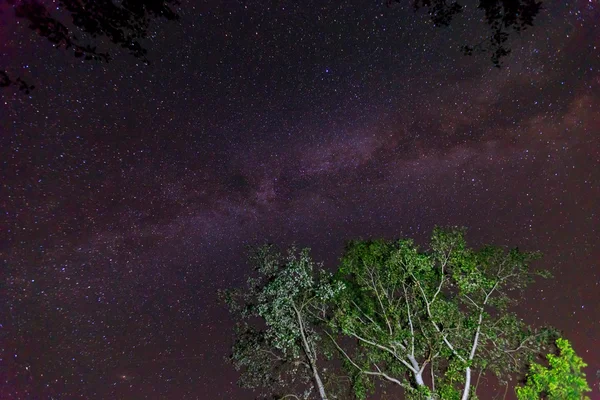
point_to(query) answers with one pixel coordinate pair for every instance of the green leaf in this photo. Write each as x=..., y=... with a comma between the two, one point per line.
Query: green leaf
x=561, y=380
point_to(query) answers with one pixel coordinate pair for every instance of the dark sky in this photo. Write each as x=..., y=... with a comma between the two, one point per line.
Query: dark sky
x=128, y=192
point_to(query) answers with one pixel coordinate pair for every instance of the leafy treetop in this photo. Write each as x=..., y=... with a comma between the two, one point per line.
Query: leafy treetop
x=561, y=380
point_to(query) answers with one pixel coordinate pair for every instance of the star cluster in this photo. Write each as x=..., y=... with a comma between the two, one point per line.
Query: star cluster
x=129, y=192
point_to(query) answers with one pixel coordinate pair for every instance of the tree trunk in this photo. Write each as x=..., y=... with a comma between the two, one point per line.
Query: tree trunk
x=417, y=375
x=420, y=382
x=465, y=395
x=318, y=381
x=467, y=389
x=309, y=354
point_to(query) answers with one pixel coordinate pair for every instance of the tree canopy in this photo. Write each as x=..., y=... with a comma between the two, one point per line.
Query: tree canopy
x=430, y=322
x=287, y=295
x=444, y=311
x=561, y=380
x=82, y=25
x=504, y=17
x=79, y=25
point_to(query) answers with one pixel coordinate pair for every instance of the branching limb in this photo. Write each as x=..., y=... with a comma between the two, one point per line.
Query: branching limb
x=379, y=373
x=435, y=325
x=412, y=330
x=385, y=348
x=378, y=295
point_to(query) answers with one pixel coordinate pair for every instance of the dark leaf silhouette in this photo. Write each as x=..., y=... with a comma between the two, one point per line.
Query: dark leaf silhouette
x=502, y=16
x=123, y=23
x=126, y=24
x=6, y=81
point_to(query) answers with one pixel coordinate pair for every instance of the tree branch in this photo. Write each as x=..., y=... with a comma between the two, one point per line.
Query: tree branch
x=385, y=316
x=384, y=348
x=362, y=371
x=437, y=328
x=412, y=330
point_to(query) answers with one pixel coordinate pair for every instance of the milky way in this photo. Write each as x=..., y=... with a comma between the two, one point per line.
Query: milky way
x=130, y=192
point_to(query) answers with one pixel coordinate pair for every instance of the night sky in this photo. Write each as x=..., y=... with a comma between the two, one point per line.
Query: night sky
x=129, y=192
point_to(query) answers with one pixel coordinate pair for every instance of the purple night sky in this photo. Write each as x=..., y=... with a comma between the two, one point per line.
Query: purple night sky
x=129, y=192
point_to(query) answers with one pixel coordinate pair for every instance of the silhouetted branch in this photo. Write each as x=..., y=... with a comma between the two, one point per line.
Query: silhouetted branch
x=503, y=17
x=123, y=24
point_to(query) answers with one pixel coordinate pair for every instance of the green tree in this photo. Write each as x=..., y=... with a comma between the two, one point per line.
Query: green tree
x=441, y=313
x=561, y=380
x=278, y=346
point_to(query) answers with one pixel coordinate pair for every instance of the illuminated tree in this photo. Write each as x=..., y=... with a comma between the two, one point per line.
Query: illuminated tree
x=278, y=347
x=439, y=315
x=561, y=380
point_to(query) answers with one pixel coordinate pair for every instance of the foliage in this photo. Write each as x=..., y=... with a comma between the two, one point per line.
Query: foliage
x=502, y=16
x=562, y=380
x=443, y=311
x=124, y=23
x=278, y=346
x=430, y=321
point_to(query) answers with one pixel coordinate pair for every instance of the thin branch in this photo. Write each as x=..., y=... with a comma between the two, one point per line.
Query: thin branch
x=309, y=352
x=476, y=341
x=389, y=378
x=276, y=357
x=478, y=378
x=432, y=377
x=412, y=330
x=384, y=348
x=365, y=314
x=442, y=279
x=385, y=316
x=423, y=366
x=522, y=344
x=471, y=300
x=307, y=302
x=362, y=371
x=437, y=328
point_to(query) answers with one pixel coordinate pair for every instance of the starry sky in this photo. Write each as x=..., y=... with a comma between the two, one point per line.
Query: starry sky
x=129, y=192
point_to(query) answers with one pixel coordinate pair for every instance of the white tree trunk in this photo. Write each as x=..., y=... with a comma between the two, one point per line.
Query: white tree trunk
x=467, y=389
x=465, y=395
x=311, y=359
x=319, y=382
x=419, y=380
x=418, y=375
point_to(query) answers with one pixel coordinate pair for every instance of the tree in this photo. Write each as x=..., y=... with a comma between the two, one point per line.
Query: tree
x=124, y=23
x=561, y=380
x=503, y=17
x=443, y=311
x=278, y=346
x=431, y=322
